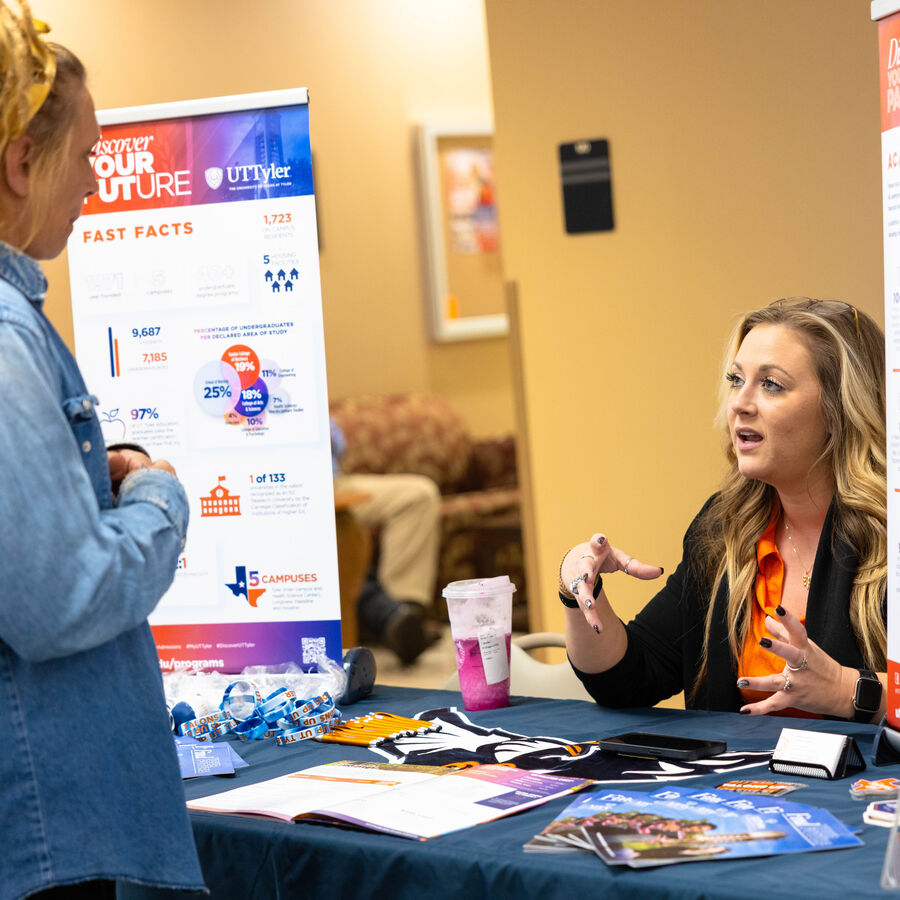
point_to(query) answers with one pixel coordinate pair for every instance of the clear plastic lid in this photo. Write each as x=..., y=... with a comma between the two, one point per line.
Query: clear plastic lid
x=478, y=587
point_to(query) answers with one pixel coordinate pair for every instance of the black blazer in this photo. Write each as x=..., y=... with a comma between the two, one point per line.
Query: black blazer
x=665, y=639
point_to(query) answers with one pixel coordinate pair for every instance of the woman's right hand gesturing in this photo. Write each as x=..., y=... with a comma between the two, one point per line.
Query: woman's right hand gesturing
x=585, y=563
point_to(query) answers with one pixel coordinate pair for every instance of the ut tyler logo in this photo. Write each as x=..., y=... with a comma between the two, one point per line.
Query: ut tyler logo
x=240, y=587
x=213, y=176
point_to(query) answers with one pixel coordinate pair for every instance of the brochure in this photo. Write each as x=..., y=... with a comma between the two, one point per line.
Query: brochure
x=680, y=824
x=203, y=758
x=881, y=812
x=416, y=802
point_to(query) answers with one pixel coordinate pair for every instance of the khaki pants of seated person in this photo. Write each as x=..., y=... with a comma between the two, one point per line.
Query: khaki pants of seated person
x=406, y=510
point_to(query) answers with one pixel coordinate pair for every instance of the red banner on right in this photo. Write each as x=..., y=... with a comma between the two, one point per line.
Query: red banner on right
x=889, y=78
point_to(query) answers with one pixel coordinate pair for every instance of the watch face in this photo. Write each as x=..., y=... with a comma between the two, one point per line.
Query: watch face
x=868, y=694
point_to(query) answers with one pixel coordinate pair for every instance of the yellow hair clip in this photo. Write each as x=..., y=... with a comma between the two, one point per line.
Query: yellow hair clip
x=44, y=70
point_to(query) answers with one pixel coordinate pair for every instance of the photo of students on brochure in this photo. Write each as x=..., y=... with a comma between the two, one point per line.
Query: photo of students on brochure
x=673, y=825
x=656, y=840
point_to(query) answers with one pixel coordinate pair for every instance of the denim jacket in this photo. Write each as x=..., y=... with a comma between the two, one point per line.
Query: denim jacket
x=89, y=781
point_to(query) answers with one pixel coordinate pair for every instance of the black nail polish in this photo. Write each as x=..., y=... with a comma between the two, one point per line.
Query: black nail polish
x=765, y=643
x=596, y=629
x=662, y=571
x=779, y=609
x=743, y=683
x=601, y=540
x=745, y=712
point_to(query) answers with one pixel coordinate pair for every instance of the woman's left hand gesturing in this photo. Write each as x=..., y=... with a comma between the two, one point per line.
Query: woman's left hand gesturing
x=811, y=680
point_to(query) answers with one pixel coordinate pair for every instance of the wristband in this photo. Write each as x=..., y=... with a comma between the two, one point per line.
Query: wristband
x=240, y=699
x=313, y=726
x=300, y=734
x=205, y=724
x=276, y=705
x=280, y=715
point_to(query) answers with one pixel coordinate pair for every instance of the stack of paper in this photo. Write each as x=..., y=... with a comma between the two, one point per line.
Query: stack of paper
x=881, y=812
x=677, y=824
x=205, y=758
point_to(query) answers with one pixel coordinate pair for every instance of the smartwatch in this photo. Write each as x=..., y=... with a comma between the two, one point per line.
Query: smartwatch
x=867, y=698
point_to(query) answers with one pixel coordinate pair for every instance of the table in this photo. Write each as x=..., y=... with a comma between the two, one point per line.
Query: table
x=254, y=859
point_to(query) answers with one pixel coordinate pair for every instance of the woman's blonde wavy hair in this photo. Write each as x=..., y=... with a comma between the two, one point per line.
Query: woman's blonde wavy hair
x=847, y=350
x=37, y=81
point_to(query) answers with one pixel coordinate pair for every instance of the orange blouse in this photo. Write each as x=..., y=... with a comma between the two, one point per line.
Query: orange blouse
x=755, y=661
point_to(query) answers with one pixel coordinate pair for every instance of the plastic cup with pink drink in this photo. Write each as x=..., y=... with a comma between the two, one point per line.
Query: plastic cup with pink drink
x=481, y=623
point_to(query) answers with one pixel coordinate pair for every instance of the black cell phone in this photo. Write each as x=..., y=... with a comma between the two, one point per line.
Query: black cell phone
x=661, y=746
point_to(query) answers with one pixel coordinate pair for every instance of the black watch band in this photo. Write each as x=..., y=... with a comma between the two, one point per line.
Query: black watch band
x=867, y=697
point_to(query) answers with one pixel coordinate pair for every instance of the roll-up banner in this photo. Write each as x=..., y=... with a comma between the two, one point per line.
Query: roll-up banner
x=198, y=324
x=889, y=76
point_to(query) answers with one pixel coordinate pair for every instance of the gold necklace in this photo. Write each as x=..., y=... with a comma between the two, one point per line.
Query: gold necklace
x=806, y=576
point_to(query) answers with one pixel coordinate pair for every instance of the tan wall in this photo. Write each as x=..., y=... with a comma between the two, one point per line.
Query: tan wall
x=745, y=156
x=374, y=68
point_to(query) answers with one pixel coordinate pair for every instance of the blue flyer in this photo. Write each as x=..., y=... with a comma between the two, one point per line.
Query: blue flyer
x=205, y=758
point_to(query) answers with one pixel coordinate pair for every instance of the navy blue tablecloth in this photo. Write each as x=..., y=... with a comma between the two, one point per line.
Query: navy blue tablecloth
x=260, y=858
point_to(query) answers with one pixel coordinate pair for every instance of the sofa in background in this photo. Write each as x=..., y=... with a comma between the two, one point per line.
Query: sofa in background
x=481, y=529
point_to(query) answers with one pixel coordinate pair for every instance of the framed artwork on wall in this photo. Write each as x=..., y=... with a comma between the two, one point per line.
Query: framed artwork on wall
x=461, y=236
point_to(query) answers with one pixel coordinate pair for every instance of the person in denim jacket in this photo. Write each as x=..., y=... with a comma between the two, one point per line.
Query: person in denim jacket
x=91, y=791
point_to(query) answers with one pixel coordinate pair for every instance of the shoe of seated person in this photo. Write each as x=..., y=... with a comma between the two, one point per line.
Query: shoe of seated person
x=405, y=632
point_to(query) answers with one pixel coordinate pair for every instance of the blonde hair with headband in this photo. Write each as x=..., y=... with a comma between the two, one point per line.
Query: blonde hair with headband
x=37, y=82
x=27, y=69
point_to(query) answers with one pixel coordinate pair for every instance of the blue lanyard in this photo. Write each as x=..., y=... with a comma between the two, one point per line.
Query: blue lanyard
x=281, y=715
